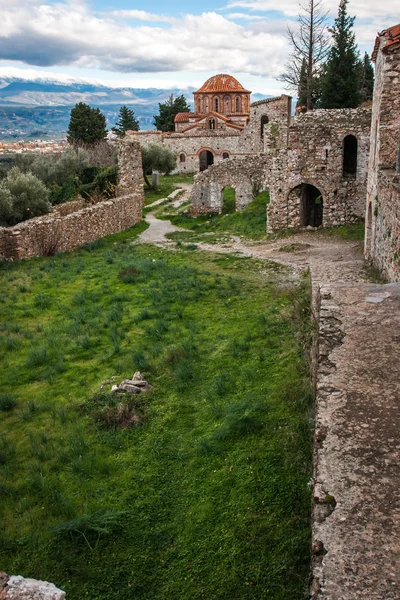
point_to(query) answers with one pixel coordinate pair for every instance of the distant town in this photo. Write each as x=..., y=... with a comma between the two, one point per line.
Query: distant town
x=39, y=146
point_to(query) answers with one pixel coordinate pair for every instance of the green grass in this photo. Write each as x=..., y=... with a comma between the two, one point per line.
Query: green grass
x=207, y=497
x=167, y=184
x=249, y=223
x=354, y=231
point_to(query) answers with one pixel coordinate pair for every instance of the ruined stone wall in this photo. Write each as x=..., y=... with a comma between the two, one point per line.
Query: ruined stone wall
x=382, y=235
x=314, y=155
x=64, y=230
x=19, y=588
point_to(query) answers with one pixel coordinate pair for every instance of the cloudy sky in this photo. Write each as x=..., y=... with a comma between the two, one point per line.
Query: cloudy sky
x=154, y=43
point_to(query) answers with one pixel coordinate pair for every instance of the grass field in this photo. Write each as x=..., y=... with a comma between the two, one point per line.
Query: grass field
x=250, y=222
x=206, y=496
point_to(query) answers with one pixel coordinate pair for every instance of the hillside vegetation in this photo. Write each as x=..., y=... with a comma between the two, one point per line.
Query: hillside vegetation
x=197, y=489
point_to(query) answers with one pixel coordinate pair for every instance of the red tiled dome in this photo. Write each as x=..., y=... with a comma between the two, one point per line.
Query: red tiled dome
x=221, y=83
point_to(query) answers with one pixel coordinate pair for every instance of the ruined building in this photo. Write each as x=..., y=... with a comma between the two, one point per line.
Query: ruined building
x=224, y=125
x=382, y=235
x=313, y=165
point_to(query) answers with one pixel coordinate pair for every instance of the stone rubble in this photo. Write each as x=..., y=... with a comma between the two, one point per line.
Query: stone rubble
x=136, y=385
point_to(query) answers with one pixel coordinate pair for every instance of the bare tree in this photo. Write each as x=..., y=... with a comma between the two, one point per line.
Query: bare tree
x=310, y=46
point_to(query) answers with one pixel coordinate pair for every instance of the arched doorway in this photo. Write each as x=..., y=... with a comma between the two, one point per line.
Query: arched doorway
x=264, y=120
x=228, y=200
x=206, y=159
x=350, y=151
x=311, y=206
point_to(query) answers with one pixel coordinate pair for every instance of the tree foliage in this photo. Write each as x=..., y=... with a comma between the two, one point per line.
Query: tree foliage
x=309, y=50
x=366, y=78
x=126, y=122
x=22, y=196
x=341, y=81
x=87, y=125
x=157, y=158
x=168, y=110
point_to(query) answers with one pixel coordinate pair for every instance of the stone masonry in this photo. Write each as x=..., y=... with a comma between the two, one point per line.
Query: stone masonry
x=307, y=154
x=382, y=239
x=19, y=588
x=72, y=224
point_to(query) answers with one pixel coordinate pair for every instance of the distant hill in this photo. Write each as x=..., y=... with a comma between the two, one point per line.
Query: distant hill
x=41, y=108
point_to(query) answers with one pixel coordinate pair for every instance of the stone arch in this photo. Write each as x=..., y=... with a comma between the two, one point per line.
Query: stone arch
x=306, y=204
x=211, y=124
x=182, y=157
x=263, y=121
x=350, y=156
x=225, y=155
x=206, y=158
x=228, y=199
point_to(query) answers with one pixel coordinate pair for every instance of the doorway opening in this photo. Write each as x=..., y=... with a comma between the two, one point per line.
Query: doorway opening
x=228, y=200
x=350, y=151
x=206, y=159
x=311, y=206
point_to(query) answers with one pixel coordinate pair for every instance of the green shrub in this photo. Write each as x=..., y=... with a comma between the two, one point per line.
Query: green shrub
x=22, y=196
x=7, y=402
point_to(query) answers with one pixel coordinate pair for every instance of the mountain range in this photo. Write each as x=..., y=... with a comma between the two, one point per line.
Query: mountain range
x=41, y=108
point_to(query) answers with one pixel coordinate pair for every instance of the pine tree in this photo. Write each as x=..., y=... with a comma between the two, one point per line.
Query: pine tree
x=366, y=78
x=87, y=125
x=341, y=82
x=126, y=122
x=168, y=110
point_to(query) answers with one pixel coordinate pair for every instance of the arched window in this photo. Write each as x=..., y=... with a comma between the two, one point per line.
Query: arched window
x=225, y=155
x=182, y=158
x=350, y=150
x=216, y=104
x=211, y=124
x=227, y=102
x=237, y=105
x=199, y=106
x=264, y=121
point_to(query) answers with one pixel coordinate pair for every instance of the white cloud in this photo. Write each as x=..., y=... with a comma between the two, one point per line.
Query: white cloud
x=67, y=33
x=363, y=9
x=140, y=15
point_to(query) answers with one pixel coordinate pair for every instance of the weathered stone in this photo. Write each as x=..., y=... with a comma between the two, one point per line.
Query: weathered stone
x=382, y=233
x=74, y=223
x=19, y=588
x=136, y=385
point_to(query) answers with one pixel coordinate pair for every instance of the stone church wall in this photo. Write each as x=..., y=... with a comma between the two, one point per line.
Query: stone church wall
x=234, y=142
x=68, y=227
x=382, y=234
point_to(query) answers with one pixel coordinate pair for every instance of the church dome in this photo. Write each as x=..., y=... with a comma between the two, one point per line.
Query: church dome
x=221, y=83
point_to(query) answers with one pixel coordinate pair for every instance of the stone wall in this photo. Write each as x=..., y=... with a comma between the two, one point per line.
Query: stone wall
x=72, y=225
x=382, y=239
x=306, y=150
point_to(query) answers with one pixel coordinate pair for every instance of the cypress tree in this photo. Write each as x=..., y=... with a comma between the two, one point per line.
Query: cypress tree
x=302, y=87
x=168, y=110
x=87, y=125
x=341, y=82
x=126, y=122
x=366, y=78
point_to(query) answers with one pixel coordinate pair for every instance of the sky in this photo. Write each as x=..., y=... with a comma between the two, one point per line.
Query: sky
x=155, y=43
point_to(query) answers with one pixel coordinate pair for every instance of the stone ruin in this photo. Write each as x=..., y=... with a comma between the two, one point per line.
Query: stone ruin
x=382, y=233
x=313, y=165
x=73, y=224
